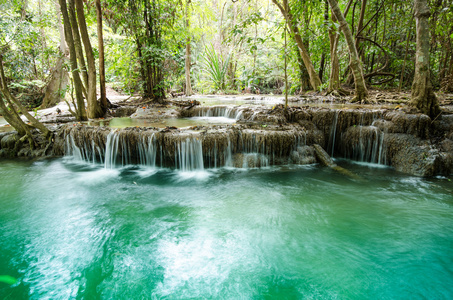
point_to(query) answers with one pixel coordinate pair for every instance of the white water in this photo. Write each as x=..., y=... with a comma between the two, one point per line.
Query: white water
x=226, y=112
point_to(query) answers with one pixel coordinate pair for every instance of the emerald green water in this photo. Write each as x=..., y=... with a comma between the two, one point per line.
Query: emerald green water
x=77, y=231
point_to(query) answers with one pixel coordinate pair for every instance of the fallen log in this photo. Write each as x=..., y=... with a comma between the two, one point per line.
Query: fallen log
x=324, y=158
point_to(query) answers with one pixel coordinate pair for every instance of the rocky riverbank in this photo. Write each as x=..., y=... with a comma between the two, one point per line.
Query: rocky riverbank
x=411, y=143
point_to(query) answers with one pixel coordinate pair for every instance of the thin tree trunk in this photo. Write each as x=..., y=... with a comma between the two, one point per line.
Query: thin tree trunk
x=360, y=23
x=423, y=97
x=80, y=109
x=56, y=88
x=334, y=36
x=400, y=85
x=78, y=44
x=189, y=91
x=14, y=121
x=13, y=101
x=315, y=81
x=101, y=57
x=93, y=108
x=355, y=64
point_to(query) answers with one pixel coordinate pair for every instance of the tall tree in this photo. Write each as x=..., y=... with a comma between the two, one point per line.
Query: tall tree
x=189, y=91
x=80, y=104
x=423, y=97
x=93, y=106
x=12, y=112
x=334, y=37
x=355, y=63
x=315, y=81
x=56, y=88
x=101, y=56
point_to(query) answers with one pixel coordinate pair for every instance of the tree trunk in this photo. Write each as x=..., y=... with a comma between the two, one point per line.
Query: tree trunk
x=334, y=37
x=80, y=109
x=355, y=64
x=14, y=102
x=334, y=78
x=315, y=81
x=93, y=108
x=360, y=23
x=56, y=88
x=189, y=91
x=423, y=97
x=101, y=57
x=303, y=73
x=78, y=44
x=14, y=121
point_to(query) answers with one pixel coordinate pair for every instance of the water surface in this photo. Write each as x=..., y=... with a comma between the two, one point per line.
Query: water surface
x=73, y=230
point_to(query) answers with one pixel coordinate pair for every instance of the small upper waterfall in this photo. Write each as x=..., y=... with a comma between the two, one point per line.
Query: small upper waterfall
x=231, y=112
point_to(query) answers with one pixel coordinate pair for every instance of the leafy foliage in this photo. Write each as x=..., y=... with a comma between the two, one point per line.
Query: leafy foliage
x=216, y=66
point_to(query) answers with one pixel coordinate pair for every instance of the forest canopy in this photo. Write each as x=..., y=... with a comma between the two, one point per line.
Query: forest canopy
x=155, y=47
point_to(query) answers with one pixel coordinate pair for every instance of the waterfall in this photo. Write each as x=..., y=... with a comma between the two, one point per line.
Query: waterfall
x=111, y=150
x=147, y=150
x=333, y=133
x=88, y=151
x=189, y=155
x=365, y=143
x=185, y=150
x=220, y=111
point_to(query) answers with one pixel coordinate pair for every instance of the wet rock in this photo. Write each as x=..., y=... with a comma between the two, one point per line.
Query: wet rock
x=9, y=140
x=303, y=155
x=409, y=154
x=124, y=111
x=2, y=135
x=414, y=124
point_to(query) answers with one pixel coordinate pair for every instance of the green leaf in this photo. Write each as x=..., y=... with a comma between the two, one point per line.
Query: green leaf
x=8, y=279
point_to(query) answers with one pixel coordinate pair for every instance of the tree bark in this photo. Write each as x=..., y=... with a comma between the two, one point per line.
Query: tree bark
x=189, y=91
x=423, y=97
x=78, y=44
x=315, y=81
x=14, y=121
x=355, y=64
x=56, y=88
x=360, y=23
x=14, y=102
x=80, y=109
x=101, y=57
x=334, y=37
x=93, y=108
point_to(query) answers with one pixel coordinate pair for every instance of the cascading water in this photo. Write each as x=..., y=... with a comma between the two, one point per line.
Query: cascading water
x=220, y=111
x=189, y=155
x=147, y=150
x=333, y=133
x=186, y=151
x=365, y=143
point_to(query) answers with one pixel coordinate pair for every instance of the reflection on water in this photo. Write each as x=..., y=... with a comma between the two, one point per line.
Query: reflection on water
x=171, y=122
x=4, y=126
x=81, y=231
x=272, y=100
x=2, y=121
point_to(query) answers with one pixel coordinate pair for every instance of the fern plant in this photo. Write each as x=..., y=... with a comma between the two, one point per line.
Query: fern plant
x=216, y=67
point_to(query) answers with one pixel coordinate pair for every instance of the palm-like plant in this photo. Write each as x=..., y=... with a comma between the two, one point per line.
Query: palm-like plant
x=216, y=66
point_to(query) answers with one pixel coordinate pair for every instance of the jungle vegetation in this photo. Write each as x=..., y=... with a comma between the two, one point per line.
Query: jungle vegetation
x=69, y=49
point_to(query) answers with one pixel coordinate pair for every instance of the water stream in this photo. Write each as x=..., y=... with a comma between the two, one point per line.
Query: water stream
x=72, y=229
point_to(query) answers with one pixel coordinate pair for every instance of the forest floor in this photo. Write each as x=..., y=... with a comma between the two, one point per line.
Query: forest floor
x=384, y=99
